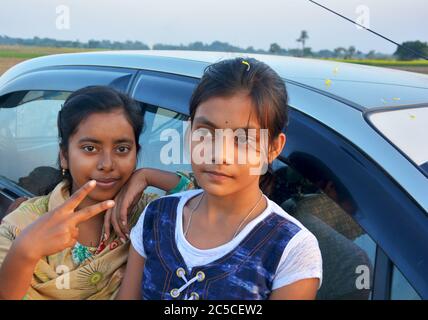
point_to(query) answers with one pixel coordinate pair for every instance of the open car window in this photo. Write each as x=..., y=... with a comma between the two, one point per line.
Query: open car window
x=29, y=138
x=348, y=252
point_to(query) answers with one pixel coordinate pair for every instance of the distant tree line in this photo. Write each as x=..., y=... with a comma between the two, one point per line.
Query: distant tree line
x=418, y=46
x=340, y=52
x=91, y=44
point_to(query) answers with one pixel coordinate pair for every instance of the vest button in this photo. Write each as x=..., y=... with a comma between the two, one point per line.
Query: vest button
x=200, y=275
x=194, y=295
x=174, y=293
x=180, y=272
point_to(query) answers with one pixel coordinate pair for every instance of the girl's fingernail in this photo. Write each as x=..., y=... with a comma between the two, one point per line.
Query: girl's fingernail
x=123, y=240
x=127, y=235
x=105, y=236
x=123, y=223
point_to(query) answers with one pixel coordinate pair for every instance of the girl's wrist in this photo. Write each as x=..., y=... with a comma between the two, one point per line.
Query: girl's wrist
x=25, y=249
x=144, y=176
x=159, y=178
x=182, y=184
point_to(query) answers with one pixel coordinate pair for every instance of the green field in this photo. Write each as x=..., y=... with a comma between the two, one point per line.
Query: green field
x=29, y=52
x=11, y=55
x=387, y=63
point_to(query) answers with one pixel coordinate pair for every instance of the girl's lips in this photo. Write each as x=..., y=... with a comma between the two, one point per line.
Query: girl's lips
x=217, y=176
x=107, y=183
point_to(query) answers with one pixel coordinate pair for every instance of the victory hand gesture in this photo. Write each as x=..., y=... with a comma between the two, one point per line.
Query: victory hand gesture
x=58, y=229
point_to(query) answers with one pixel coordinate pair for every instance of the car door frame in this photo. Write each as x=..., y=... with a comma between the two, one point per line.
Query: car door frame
x=385, y=256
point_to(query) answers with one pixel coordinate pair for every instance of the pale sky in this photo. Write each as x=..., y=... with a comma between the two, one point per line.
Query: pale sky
x=242, y=23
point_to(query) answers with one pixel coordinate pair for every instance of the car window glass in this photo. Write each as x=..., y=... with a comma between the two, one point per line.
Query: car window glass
x=407, y=129
x=29, y=137
x=347, y=251
x=162, y=140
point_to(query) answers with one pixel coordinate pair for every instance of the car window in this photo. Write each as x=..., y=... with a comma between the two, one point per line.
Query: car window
x=347, y=251
x=407, y=129
x=164, y=90
x=70, y=78
x=162, y=140
x=29, y=137
x=401, y=289
x=164, y=98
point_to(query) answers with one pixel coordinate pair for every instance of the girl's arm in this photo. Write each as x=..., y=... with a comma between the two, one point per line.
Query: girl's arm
x=130, y=288
x=305, y=289
x=299, y=274
x=160, y=179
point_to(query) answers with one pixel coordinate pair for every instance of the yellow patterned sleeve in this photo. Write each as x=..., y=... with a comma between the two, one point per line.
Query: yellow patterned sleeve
x=7, y=235
x=145, y=199
x=17, y=220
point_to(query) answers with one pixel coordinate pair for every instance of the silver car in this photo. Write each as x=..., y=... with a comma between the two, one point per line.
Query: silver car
x=354, y=169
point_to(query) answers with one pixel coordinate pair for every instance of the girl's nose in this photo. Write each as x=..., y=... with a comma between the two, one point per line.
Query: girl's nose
x=105, y=162
x=223, y=151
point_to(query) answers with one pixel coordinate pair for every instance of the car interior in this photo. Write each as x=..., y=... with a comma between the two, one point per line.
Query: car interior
x=334, y=229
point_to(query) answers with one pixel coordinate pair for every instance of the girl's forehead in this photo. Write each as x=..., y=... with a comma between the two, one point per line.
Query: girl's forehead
x=105, y=126
x=236, y=111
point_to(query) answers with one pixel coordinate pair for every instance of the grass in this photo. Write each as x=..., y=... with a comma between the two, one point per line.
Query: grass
x=29, y=52
x=11, y=55
x=386, y=63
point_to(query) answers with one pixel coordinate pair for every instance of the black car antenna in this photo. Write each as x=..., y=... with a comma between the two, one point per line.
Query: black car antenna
x=420, y=55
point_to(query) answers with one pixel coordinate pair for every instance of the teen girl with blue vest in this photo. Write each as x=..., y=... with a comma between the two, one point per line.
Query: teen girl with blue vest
x=226, y=240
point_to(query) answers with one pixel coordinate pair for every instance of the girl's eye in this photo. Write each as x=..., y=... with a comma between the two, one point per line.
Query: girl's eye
x=89, y=148
x=245, y=139
x=123, y=149
x=241, y=138
x=203, y=132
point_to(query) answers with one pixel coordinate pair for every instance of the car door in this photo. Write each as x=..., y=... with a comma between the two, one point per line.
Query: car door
x=354, y=208
x=28, y=134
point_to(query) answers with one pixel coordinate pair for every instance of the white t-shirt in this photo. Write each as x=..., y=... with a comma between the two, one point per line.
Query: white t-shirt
x=301, y=258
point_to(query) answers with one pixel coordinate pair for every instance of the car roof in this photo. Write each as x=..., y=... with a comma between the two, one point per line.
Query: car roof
x=364, y=87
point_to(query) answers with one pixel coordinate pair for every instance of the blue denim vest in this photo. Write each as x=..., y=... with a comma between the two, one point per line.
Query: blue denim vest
x=245, y=273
